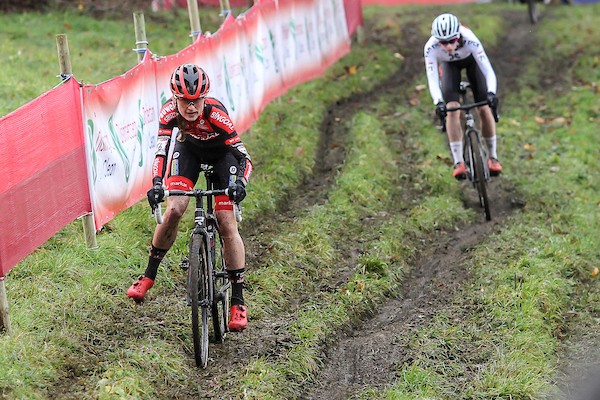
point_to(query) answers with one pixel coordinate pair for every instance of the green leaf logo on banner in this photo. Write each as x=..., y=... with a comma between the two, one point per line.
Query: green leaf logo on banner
x=140, y=132
x=90, y=131
x=120, y=149
x=228, y=86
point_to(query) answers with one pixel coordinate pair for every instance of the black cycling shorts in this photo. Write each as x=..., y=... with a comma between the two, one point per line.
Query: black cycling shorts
x=186, y=163
x=451, y=75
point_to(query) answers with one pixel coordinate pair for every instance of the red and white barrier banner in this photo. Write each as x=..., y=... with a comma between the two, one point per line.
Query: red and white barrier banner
x=77, y=150
x=121, y=121
x=44, y=186
x=404, y=2
x=170, y=4
x=249, y=60
x=227, y=66
x=265, y=76
x=354, y=15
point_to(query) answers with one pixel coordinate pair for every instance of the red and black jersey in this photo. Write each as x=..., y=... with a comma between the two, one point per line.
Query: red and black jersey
x=211, y=134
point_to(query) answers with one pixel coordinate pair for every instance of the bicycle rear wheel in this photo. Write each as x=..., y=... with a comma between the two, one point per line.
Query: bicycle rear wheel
x=220, y=306
x=479, y=178
x=198, y=294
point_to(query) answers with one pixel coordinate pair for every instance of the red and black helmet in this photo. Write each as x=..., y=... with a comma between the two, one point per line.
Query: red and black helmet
x=190, y=82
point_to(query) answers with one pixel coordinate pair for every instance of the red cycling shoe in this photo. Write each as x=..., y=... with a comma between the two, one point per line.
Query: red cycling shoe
x=238, y=320
x=494, y=167
x=138, y=289
x=460, y=171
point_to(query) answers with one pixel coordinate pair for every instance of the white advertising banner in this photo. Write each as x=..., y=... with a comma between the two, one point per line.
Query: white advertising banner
x=121, y=120
x=229, y=81
x=265, y=77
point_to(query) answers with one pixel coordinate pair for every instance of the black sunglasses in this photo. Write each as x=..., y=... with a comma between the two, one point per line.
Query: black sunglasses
x=453, y=40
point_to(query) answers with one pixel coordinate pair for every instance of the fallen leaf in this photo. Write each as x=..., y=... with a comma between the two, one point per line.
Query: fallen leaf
x=414, y=101
x=558, y=122
x=595, y=272
x=539, y=120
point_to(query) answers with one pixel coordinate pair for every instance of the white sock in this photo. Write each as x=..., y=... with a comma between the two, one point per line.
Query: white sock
x=457, y=151
x=491, y=144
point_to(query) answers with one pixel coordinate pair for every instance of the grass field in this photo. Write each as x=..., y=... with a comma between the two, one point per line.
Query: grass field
x=522, y=326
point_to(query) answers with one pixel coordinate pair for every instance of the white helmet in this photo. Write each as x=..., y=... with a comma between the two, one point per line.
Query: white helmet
x=445, y=27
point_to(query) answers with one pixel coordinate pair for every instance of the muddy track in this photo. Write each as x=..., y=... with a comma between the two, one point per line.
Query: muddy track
x=370, y=355
x=269, y=336
x=330, y=157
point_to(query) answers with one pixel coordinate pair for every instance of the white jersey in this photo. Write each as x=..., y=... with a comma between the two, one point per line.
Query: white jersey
x=434, y=54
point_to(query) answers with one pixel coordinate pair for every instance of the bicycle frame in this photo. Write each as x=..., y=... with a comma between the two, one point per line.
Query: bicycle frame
x=207, y=225
x=474, y=151
x=207, y=283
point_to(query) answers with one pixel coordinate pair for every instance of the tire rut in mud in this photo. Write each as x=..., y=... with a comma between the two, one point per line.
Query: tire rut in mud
x=366, y=355
x=268, y=337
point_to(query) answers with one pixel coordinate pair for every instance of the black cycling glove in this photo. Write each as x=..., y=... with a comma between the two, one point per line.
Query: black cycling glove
x=157, y=193
x=492, y=100
x=237, y=191
x=440, y=110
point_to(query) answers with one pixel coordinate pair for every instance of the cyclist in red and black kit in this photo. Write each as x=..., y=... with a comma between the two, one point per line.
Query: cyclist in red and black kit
x=451, y=48
x=206, y=136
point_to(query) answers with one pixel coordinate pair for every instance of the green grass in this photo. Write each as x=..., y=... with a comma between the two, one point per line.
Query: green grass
x=517, y=325
x=76, y=335
x=30, y=51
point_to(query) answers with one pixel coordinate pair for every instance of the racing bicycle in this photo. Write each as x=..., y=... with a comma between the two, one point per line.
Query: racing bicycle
x=207, y=282
x=474, y=150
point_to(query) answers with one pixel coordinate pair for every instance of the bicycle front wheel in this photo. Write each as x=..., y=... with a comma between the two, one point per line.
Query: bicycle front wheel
x=220, y=306
x=198, y=294
x=479, y=178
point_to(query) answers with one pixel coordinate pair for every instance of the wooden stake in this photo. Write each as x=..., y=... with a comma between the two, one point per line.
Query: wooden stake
x=194, y=19
x=225, y=8
x=141, y=44
x=4, y=318
x=64, y=59
x=360, y=34
x=89, y=230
